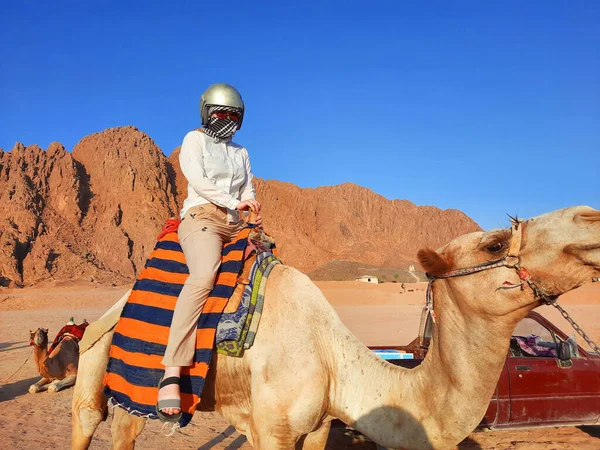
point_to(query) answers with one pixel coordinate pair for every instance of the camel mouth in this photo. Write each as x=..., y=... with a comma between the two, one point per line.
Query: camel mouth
x=589, y=247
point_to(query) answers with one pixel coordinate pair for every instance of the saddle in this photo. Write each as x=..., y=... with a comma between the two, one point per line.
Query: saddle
x=258, y=242
x=73, y=331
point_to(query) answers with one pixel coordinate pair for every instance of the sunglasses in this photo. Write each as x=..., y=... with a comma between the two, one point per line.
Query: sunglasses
x=224, y=115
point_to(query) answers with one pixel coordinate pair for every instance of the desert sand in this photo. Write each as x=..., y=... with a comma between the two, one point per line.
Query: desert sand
x=377, y=314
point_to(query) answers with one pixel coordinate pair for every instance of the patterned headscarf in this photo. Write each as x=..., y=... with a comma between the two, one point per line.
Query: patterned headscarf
x=221, y=129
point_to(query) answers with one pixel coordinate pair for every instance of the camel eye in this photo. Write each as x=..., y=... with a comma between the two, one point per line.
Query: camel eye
x=495, y=248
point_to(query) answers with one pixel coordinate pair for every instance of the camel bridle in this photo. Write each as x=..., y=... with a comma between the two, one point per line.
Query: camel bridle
x=32, y=339
x=511, y=260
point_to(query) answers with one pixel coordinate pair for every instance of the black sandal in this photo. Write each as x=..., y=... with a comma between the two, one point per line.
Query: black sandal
x=168, y=402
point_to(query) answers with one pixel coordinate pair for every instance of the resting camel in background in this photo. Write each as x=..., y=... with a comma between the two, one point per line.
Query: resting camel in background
x=58, y=370
x=285, y=391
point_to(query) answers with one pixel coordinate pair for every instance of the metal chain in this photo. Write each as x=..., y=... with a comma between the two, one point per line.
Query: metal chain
x=577, y=328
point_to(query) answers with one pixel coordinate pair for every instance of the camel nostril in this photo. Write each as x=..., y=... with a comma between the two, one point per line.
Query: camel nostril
x=577, y=249
x=587, y=216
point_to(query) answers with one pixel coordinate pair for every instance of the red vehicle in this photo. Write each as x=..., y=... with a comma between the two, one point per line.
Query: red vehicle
x=547, y=379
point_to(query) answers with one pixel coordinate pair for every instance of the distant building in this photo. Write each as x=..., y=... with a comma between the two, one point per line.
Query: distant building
x=411, y=268
x=367, y=279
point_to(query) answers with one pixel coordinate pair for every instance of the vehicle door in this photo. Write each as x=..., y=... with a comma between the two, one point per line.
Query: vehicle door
x=544, y=389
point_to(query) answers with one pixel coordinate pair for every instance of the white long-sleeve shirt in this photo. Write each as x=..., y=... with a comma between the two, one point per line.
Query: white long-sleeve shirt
x=218, y=173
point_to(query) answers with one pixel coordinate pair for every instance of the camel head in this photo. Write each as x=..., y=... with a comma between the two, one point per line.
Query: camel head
x=553, y=253
x=38, y=337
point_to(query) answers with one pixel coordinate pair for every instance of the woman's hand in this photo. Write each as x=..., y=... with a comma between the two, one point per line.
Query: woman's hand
x=254, y=206
x=258, y=220
x=249, y=205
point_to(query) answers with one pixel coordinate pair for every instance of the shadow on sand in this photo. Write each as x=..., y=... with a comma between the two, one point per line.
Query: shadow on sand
x=593, y=431
x=6, y=346
x=340, y=438
x=12, y=390
x=236, y=443
x=233, y=445
x=469, y=444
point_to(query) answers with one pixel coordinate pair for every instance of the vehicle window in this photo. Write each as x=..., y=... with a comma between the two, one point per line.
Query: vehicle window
x=529, y=326
x=532, y=339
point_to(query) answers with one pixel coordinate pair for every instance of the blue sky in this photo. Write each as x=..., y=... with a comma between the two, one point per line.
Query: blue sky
x=487, y=108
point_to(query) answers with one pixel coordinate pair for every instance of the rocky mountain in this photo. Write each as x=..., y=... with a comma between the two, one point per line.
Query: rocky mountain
x=94, y=214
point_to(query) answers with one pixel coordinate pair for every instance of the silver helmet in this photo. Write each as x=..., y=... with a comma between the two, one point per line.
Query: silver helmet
x=220, y=94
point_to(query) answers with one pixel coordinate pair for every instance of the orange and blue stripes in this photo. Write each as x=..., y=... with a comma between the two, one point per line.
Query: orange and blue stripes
x=141, y=335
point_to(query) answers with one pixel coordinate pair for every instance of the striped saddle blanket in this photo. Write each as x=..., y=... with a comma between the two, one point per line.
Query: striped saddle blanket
x=141, y=335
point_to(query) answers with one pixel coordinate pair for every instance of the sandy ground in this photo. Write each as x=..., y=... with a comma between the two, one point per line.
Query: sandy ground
x=377, y=314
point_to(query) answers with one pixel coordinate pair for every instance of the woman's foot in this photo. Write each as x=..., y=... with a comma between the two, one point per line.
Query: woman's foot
x=170, y=391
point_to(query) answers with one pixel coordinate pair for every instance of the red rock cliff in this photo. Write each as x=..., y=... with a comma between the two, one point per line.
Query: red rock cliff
x=95, y=213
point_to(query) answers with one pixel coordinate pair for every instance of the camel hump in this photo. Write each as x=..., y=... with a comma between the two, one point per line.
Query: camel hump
x=99, y=328
x=95, y=330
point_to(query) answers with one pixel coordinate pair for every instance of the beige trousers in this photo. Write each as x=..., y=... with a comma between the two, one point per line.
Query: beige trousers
x=202, y=233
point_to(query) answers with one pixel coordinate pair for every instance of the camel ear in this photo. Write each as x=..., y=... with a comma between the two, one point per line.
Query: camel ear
x=433, y=262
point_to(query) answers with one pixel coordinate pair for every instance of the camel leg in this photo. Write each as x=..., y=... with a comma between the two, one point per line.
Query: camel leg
x=271, y=431
x=125, y=429
x=264, y=441
x=315, y=440
x=281, y=417
x=57, y=385
x=40, y=386
x=85, y=423
x=89, y=406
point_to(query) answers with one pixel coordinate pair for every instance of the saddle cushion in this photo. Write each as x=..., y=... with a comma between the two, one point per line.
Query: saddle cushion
x=236, y=331
x=75, y=332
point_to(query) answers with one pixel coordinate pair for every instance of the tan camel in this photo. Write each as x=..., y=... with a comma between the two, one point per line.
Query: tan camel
x=58, y=370
x=306, y=368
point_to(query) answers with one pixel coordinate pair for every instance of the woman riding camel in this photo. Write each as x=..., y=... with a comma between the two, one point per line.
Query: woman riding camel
x=219, y=186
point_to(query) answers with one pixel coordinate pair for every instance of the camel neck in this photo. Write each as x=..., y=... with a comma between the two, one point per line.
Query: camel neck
x=40, y=355
x=436, y=404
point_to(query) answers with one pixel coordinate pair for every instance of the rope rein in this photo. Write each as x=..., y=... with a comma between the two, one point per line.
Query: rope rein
x=20, y=367
x=512, y=261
